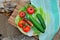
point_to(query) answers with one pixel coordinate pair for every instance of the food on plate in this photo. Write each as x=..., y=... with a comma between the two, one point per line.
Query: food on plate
x=30, y=24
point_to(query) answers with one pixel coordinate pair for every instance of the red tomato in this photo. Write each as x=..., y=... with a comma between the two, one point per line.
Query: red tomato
x=30, y=10
x=26, y=29
x=22, y=22
x=20, y=25
x=22, y=14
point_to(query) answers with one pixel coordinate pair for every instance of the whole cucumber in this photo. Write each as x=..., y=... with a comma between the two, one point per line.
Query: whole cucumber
x=41, y=20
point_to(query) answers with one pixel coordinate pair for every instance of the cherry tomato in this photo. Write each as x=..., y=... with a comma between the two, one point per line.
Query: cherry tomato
x=22, y=22
x=20, y=25
x=30, y=10
x=22, y=14
x=26, y=29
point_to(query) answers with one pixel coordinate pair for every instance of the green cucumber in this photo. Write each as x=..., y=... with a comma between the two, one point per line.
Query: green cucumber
x=36, y=24
x=41, y=20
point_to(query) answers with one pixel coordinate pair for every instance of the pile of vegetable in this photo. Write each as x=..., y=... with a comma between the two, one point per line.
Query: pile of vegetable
x=29, y=18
